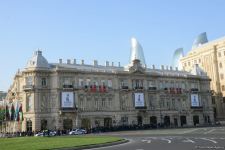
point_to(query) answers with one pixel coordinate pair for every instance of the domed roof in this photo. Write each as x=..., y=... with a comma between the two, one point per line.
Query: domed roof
x=37, y=61
x=137, y=52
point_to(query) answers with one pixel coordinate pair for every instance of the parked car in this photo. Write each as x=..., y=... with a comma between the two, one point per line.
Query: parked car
x=39, y=134
x=77, y=132
x=52, y=133
x=46, y=133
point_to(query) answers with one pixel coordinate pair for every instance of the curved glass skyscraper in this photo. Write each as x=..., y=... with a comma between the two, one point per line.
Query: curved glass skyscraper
x=137, y=52
x=200, y=39
x=178, y=54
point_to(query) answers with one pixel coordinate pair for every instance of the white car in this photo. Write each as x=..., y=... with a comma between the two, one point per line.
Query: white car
x=77, y=132
x=39, y=134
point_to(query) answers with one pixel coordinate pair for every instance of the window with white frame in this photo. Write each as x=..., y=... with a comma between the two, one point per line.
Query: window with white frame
x=43, y=81
x=109, y=83
x=81, y=82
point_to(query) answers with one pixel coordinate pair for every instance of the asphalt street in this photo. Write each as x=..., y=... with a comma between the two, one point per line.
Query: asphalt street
x=207, y=138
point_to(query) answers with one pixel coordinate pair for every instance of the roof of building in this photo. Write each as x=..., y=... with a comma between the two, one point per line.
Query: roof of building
x=167, y=71
x=37, y=61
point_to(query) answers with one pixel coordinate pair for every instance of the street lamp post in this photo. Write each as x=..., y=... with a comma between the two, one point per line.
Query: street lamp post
x=160, y=111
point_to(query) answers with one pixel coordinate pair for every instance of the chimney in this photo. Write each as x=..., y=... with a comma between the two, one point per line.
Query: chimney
x=82, y=62
x=167, y=68
x=95, y=63
x=171, y=68
x=118, y=64
x=74, y=61
x=68, y=61
x=106, y=63
x=60, y=61
x=153, y=66
x=162, y=67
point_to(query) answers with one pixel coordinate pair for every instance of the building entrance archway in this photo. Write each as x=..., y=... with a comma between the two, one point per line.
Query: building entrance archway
x=195, y=120
x=153, y=121
x=86, y=123
x=67, y=124
x=167, y=121
x=139, y=120
x=107, y=122
x=183, y=120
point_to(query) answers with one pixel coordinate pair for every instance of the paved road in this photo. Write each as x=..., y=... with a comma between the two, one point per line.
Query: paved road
x=208, y=138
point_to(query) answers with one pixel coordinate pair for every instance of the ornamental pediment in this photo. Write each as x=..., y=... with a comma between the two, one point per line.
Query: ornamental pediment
x=137, y=67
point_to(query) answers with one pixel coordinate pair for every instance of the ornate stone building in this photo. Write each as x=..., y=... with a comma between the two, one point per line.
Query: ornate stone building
x=69, y=95
x=210, y=57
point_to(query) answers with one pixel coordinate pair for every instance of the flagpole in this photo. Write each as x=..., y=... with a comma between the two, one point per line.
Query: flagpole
x=5, y=114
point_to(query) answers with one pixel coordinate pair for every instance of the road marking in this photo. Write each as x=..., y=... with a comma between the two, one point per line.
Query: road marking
x=147, y=141
x=222, y=138
x=169, y=141
x=139, y=149
x=209, y=131
x=188, y=131
x=209, y=140
x=188, y=141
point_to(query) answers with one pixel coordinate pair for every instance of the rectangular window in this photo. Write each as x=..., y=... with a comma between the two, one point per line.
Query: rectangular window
x=109, y=83
x=43, y=82
x=29, y=80
x=223, y=88
x=173, y=103
x=29, y=103
x=219, y=54
x=213, y=100
x=221, y=76
x=124, y=84
x=81, y=82
x=103, y=82
x=103, y=103
x=88, y=81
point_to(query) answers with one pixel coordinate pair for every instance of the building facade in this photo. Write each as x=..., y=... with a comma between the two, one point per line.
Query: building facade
x=210, y=57
x=70, y=95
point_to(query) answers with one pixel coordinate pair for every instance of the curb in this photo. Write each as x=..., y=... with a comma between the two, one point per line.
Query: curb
x=95, y=145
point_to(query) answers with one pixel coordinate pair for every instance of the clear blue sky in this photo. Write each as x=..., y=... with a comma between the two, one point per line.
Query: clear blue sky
x=101, y=29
